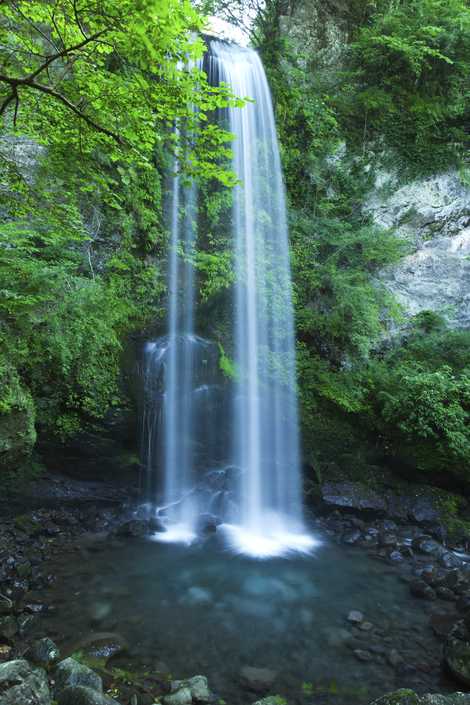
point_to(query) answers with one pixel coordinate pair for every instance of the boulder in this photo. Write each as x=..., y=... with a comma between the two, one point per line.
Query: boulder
x=457, y=653
x=259, y=680
x=182, y=696
x=409, y=697
x=22, y=684
x=102, y=645
x=352, y=495
x=70, y=673
x=44, y=652
x=198, y=686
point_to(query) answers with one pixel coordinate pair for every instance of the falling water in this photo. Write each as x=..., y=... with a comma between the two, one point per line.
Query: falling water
x=264, y=444
x=265, y=435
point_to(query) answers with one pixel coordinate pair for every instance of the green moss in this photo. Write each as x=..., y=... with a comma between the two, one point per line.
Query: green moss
x=17, y=420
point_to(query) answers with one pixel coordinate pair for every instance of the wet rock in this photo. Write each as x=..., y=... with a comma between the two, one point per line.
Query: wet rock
x=399, y=697
x=182, y=696
x=259, y=680
x=196, y=595
x=395, y=556
x=450, y=560
x=135, y=528
x=409, y=697
x=271, y=700
x=198, y=686
x=337, y=637
x=355, y=617
x=352, y=495
x=156, y=524
x=8, y=627
x=388, y=540
x=441, y=624
x=394, y=658
x=427, y=545
x=44, y=652
x=70, y=673
x=6, y=605
x=362, y=655
x=463, y=603
x=445, y=594
x=102, y=645
x=81, y=695
x=366, y=626
x=457, y=652
x=21, y=684
x=351, y=537
x=419, y=588
x=25, y=623
x=207, y=524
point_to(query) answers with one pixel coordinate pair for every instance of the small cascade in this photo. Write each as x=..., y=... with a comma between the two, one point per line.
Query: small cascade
x=250, y=478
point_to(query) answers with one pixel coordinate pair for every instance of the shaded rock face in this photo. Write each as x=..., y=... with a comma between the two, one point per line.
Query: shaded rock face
x=422, y=508
x=318, y=26
x=434, y=215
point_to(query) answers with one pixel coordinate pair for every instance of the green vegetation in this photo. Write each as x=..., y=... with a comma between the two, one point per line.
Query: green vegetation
x=89, y=95
x=408, y=84
x=398, y=95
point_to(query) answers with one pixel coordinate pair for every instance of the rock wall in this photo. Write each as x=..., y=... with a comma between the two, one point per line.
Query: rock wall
x=433, y=214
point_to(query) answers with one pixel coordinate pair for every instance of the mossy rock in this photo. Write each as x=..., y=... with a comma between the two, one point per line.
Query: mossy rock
x=399, y=697
x=17, y=417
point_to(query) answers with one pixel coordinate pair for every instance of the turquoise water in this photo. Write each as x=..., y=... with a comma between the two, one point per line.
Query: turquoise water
x=202, y=610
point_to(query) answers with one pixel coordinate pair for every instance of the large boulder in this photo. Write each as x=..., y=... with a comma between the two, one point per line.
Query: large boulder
x=198, y=688
x=409, y=697
x=22, y=684
x=70, y=673
x=352, y=495
x=457, y=652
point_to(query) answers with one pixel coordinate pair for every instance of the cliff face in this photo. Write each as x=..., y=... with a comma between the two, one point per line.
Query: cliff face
x=434, y=215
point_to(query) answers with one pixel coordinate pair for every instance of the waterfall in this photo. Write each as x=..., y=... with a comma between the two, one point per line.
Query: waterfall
x=265, y=429
x=265, y=515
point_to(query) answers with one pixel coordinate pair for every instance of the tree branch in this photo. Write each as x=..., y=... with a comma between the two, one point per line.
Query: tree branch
x=65, y=52
x=15, y=83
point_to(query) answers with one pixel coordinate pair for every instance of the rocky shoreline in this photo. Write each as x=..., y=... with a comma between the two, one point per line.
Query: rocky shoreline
x=436, y=569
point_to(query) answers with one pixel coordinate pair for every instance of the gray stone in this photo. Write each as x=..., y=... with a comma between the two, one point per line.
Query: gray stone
x=183, y=696
x=362, y=655
x=457, y=653
x=22, y=684
x=419, y=588
x=355, y=617
x=271, y=700
x=44, y=652
x=258, y=680
x=198, y=686
x=81, y=695
x=353, y=495
x=70, y=673
x=8, y=627
x=450, y=560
